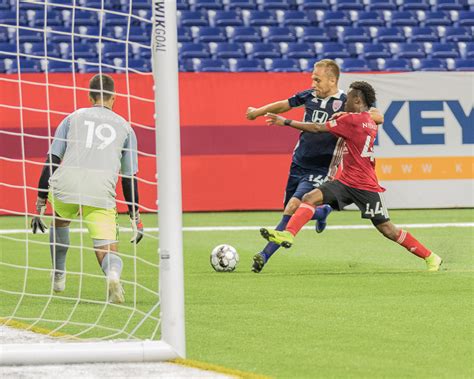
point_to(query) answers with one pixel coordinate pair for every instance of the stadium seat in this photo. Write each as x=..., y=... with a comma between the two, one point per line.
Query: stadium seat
x=312, y=34
x=262, y=50
x=430, y=65
x=436, y=18
x=469, y=50
x=348, y=5
x=193, y=50
x=389, y=35
x=112, y=19
x=466, y=18
x=2, y=67
x=37, y=49
x=403, y=18
x=182, y=5
x=335, y=18
x=369, y=18
x=84, y=51
x=443, y=50
x=184, y=34
x=464, y=64
x=57, y=66
x=225, y=18
x=357, y=34
x=3, y=34
x=87, y=68
x=240, y=4
x=113, y=50
x=7, y=50
x=311, y=5
x=396, y=65
x=109, y=4
x=243, y=34
x=457, y=34
x=415, y=5
x=139, y=64
x=407, y=50
x=9, y=18
x=60, y=34
x=259, y=18
x=30, y=36
x=136, y=34
x=297, y=50
x=273, y=4
x=422, y=34
x=227, y=50
x=447, y=5
x=293, y=17
x=282, y=65
x=206, y=4
x=26, y=66
x=277, y=34
x=53, y=19
x=81, y=18
x=353, y=65
x=192, y=18
x=332, y=50
x=370, y=50
x=246, y=65
x=208, y=34
x=210, y=65
x=142, y=13
x=377, y=5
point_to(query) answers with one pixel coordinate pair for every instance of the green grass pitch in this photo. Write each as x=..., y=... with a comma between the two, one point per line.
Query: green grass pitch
x=345, y=303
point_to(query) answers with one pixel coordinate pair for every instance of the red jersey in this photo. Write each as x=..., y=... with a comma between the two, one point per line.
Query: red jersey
x=358, y=164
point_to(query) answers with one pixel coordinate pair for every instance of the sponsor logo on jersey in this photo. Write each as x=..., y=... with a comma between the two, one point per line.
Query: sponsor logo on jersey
x=333, y=123
x=336, y=105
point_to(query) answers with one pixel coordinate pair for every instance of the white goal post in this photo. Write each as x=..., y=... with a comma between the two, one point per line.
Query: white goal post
x=171, y=283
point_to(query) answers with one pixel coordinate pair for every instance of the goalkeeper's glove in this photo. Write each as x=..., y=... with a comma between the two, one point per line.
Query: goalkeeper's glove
x=137, y=227
x=36, y=222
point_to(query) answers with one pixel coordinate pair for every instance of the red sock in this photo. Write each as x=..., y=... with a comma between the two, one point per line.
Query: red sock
x=412, y=245
x=302, y=215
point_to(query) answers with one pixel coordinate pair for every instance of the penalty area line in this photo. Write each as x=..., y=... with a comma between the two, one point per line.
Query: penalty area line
x=250, y=228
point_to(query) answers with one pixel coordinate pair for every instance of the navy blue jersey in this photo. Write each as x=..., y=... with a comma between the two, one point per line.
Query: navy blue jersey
x=318, y=151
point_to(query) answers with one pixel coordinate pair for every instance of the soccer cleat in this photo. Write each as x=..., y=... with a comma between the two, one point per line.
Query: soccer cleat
x=59, y=282
x=282, y=238
x=116, y=292
x=259, y=261
x=321, y=223
x=433, y=262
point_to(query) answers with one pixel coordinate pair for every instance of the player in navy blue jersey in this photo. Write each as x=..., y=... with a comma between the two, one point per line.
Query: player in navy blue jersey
x=317, y=155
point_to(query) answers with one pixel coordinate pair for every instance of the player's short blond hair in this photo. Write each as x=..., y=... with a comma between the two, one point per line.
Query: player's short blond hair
x=332, y=68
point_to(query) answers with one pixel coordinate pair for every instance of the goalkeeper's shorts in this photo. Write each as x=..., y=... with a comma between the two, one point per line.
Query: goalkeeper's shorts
x=100, y=222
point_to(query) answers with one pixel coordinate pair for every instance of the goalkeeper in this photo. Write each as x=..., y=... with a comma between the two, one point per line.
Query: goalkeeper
x=79, y=178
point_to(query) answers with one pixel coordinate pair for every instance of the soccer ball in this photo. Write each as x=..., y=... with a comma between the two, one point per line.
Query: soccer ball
x=224, y=258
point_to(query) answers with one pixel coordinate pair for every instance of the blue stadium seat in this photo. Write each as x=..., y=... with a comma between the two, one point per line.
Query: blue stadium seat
x=193, y=50
x=133, y=64
x=466, y=18
x=377, y=5
x=396, y=65
x=469, y=50
x=246, y=65
x=312, y=34
x=60, y=34
x=136, y=34
x=273, y=4
x=369, y=18
x=182, y=5
x=353, y=65
x=240, y=4
x=112, y=19
x=184, y=34
x=464, y=64
x=297, y=50
x=58, y=66
x=113, y=50
x=310, y=5
x=192, y=18
x=407, y=50
x=82, y=18
x=335, y=18
x=447, y=5
x=25, y=6
x=26, y=66
x=389, y=35
x=332, y=50
x=53, y=19
x=262, y=50
x=227, y=50
x=3, y=34
x=307, y=65
x=84, y=51
x=37, y=49
x=348, y=5
x=9, y=18
x=356, y=34
x=142, y=13
x=5, y=6
x=457, y=34
x=444, y=50
x=423, y=34
x=277, y=34
x=140, y=4
x=437, y=18
x=293, y=17
x=88, y=68
x=431, y=65
x=243, y=34
x=30, y=36
x=109, y=4
x=372, y=50
x=207, y=4
x=259, y=18
x=87, y=32
x=7, y=50
x=403, y=18
x=226, y=18
x=210, y=65
x=209, y=34
x=2, y=67
x=282, y=65
x=415, y=5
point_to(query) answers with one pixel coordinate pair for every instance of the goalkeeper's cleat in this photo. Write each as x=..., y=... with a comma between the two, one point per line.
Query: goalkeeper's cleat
x=283, y=238
x=59, y=282
x=259, y=261
x=433, y=262
x=321, y=222
x=116, y=292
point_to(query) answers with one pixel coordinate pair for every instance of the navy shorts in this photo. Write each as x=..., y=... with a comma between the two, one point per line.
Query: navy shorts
x=302, y=181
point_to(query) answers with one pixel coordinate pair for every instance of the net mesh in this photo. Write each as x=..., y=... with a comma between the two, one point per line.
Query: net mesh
x=53, y=48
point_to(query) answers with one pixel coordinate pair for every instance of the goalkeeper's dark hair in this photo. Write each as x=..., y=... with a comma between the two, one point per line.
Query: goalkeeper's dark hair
x=365, y=91
x=101, y=87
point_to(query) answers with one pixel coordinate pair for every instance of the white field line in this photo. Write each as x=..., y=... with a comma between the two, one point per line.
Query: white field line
x=244, y=228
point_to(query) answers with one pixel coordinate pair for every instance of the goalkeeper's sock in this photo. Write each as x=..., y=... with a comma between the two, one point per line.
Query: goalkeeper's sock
x=112, y=262
x=302, y=215
x=271, y=247
x=59, y=244
x=412, y=244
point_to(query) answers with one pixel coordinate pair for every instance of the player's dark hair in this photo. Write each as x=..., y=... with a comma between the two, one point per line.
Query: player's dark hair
x=101, y=87
x=365, y=91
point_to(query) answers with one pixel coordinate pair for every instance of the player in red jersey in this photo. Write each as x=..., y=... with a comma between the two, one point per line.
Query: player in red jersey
x=358, y=181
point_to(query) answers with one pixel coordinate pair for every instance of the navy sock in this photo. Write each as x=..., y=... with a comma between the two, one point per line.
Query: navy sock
x=271, y=247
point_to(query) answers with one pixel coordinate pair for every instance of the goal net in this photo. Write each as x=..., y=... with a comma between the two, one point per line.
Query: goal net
x=50, y=51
